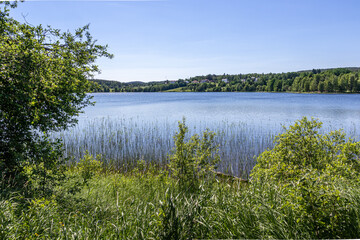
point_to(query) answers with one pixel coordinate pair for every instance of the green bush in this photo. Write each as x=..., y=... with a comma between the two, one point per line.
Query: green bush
x=89, y=166
x=193, y=160
x=314, y=171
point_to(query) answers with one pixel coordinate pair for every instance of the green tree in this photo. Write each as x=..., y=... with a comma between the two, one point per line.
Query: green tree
x=352, y=86
x=278, y=86
x=306, y=85
x=43, y=84
x=343, y=83
x=313, y=85
x=328, y=86
x=321, y=86
x=270, y=85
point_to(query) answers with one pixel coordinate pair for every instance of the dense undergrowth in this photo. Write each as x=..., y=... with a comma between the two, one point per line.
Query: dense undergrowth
x=307, y=186
x=139, y=206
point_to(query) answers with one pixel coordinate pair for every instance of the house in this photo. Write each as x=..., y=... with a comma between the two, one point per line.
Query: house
x=170, y=81
x=225, y=80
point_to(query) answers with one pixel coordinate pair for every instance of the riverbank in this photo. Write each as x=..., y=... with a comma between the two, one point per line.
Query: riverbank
x=305, y=187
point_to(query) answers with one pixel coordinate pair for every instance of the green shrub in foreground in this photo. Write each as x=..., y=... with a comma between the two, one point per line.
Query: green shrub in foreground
x=194, y=160
x=315, y=172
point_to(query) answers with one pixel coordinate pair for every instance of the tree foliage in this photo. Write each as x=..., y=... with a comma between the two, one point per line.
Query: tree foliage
x=328, y=80
x=43, y=83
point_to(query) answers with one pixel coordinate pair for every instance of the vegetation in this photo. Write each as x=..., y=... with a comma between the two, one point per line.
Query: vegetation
x=339, y=80
x=193, y=161
x=306, y=186
x=43, y=85
x=123, y=141
x=315, y=171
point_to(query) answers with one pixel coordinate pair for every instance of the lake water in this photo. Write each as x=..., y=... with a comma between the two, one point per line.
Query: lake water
x=124, y=127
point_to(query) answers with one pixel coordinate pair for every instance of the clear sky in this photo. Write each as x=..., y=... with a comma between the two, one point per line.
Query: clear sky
x=172, y=39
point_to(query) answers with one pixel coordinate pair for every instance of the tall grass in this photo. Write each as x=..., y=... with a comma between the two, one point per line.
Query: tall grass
x=147, y=206
x=146, y=203
x=122, y=142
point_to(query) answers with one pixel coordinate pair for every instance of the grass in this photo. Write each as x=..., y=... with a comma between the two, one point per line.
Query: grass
x=179, y=89
x=149, y=205
x=96, y=201
x=122, y=142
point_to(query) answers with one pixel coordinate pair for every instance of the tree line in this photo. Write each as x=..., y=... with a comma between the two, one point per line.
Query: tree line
x=338, y=80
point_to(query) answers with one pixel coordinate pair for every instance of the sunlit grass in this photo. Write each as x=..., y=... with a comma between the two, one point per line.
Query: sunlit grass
x=146, y=205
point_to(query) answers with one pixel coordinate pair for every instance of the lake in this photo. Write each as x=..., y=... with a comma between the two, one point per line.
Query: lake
x=126, y=127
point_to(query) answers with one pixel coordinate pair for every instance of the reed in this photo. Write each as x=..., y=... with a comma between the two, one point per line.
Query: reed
x=122, y=142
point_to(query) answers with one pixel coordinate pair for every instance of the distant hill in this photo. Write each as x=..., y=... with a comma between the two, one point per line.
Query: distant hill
x=113, y=86
x=351, y=69
x=338, y=80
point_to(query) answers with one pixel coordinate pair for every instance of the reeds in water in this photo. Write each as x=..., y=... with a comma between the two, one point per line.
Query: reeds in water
x=124, y=141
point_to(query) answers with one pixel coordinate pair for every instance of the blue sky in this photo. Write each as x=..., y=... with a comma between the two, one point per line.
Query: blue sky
x=172, y=39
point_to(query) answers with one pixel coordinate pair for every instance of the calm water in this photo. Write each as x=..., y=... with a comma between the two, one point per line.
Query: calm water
x=128, y=126
x=258, y=108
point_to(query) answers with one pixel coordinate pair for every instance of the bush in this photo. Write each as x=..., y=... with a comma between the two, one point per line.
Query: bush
x=314, y=171
x=89, y=166
x=193, y=160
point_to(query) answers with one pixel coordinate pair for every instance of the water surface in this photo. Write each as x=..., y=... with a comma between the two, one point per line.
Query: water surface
x=129, y=126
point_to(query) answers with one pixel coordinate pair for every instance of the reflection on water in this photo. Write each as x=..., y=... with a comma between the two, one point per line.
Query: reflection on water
x=129, y=126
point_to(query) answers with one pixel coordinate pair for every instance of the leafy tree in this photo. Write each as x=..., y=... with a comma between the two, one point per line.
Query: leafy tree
x=328, y=86
x=343, y=83
x=270, y=85
x=352, y=86
x=43, y=84
x=313, y=85
x=321, y=86
x=306, y=86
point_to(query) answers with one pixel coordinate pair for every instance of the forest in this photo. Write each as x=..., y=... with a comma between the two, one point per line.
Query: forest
x=337, y=80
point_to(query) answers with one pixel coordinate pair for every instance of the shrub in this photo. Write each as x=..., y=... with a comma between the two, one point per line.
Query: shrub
x=88, y=167
x=314, y=170
x=193, y=160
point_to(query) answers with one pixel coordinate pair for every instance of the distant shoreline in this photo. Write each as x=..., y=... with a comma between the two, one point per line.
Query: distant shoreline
x=338, y=80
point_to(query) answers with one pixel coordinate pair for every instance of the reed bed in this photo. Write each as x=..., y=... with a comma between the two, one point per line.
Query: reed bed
x=121, y=142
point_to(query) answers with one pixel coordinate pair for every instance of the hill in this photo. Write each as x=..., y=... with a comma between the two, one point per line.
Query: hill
x=338, y=80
